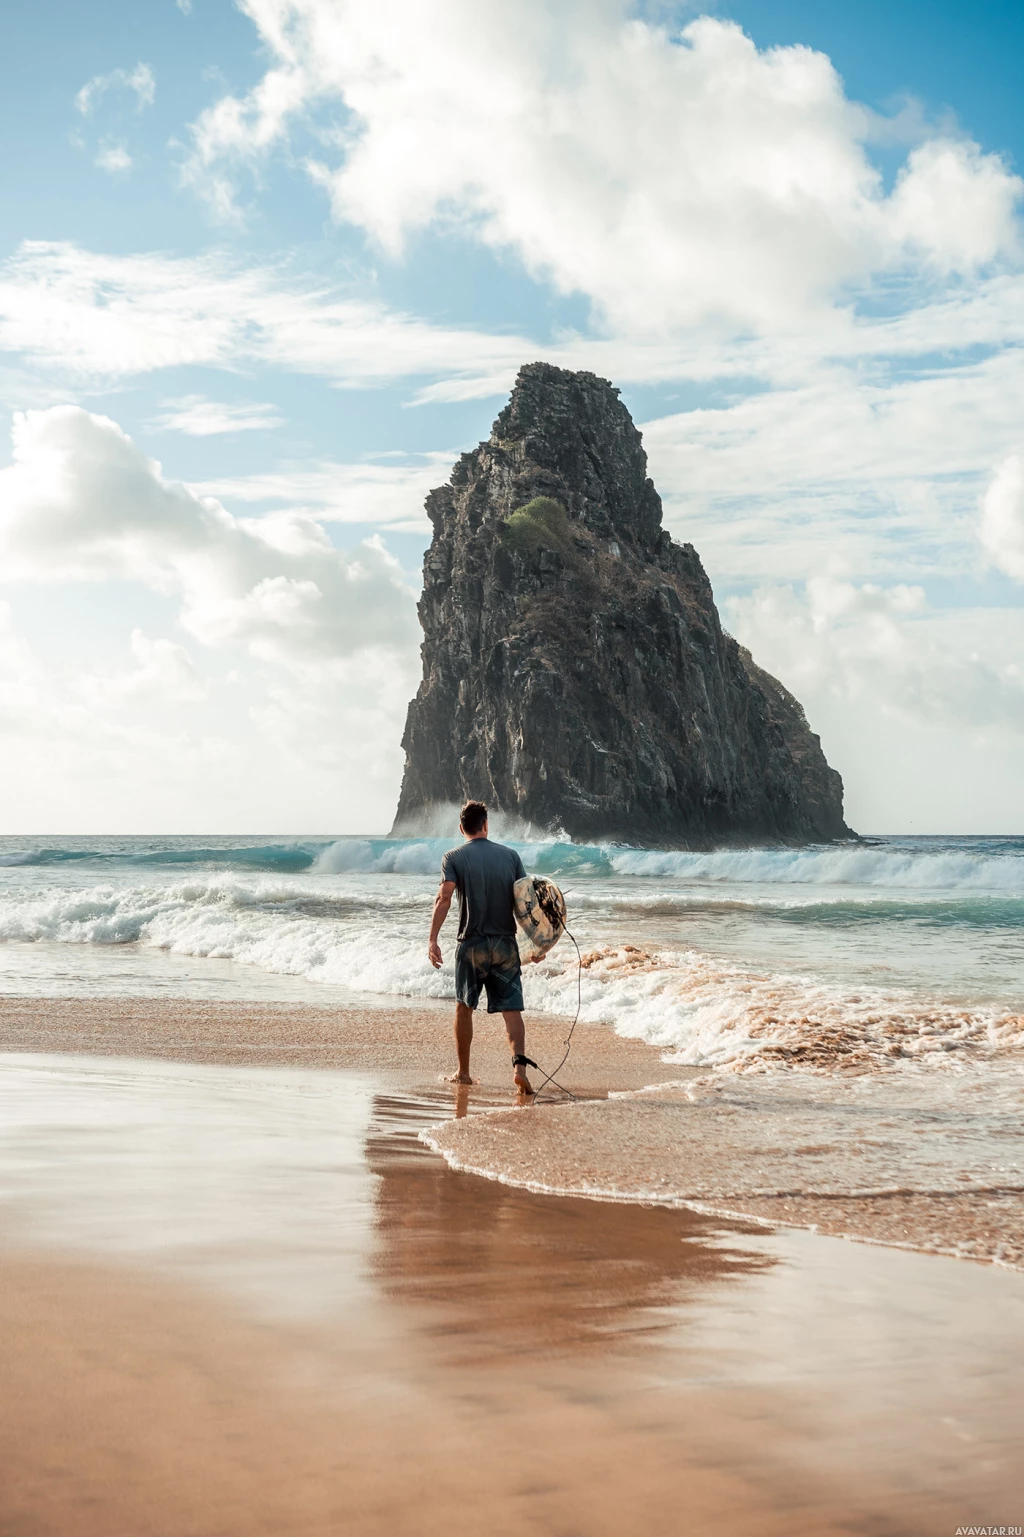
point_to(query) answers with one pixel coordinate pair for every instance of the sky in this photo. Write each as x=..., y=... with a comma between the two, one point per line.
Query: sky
x=268, y=266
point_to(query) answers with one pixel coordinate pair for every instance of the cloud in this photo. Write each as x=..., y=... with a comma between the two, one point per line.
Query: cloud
x=82, y=503
x=865, y=455
x=109, y=317
x=353, y=727
x=389, y=494
x=843, y=644
x=165, y=673
x=114, y=158
x=21, y=697
x=872, y=471
x=673, y=179
x=198, y=417
x=1002, y=518
x=955, y=207
x=135, y=752
x=157, y=747
x=140, y=80
x=96, y=317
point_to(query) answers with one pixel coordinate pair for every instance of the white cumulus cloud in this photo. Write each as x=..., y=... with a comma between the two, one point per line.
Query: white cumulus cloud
x=164, y=672
x=1002, y=518
x=857, y=644
x=282, y=704
x=81, y=502
x=670, y=178
x=921, y=708
x=868, y=470
x=390, y=494
x=114, y=158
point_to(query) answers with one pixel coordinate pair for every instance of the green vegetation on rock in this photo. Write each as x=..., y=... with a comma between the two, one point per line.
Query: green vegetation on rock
x=542, y=524
x=575, y=670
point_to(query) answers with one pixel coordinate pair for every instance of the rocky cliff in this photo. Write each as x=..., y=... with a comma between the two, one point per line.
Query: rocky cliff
x=575, y=673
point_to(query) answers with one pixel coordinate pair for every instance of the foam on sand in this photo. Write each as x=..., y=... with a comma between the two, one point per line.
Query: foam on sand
x=704, y=1009
x=926, y=1161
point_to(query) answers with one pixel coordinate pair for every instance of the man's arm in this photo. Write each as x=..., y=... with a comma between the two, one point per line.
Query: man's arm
x=442, y=902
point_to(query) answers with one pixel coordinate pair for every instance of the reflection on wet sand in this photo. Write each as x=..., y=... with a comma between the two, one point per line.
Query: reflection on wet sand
x=819, y=1354
x=495, y=1263
x=250, y=1303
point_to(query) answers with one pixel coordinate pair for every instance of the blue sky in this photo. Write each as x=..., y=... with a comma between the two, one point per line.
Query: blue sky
x=266, y=268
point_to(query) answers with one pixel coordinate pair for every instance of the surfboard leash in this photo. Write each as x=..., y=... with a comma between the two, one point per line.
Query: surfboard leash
x=552, y=1077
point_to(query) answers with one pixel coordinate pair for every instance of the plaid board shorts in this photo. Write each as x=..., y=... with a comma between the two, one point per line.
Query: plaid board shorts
x=493, y=964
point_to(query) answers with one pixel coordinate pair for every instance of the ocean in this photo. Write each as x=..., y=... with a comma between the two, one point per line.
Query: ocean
x=845, y=1024
x=892, y=950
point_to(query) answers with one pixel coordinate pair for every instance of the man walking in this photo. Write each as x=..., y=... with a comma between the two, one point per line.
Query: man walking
x=487, y=955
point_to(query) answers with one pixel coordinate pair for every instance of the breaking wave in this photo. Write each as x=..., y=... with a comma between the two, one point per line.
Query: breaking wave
x=993, y=866
x=286, y=857
x=982, y=866
x=702, y=1009
x=885, y=867
x=943, y=919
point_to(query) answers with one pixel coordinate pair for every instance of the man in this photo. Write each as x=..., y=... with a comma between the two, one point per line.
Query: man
x=487, y=955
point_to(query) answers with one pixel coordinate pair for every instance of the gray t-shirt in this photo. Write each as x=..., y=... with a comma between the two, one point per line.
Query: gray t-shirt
x=484, y=874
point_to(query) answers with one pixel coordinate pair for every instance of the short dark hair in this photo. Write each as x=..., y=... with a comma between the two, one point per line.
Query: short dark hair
x=472, y=817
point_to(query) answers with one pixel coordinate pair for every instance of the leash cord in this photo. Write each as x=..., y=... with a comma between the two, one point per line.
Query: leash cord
x=552, y=1077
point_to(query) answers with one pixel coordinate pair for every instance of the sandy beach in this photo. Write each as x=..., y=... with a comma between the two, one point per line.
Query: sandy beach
x=441, y=1348
x=516, y=508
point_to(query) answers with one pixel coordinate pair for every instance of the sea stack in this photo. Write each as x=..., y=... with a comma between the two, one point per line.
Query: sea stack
x=576, y=676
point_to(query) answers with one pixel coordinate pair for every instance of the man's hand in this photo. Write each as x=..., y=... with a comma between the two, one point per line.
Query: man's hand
x=442, y=902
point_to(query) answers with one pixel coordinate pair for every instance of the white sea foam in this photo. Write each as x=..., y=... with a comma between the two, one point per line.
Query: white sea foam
x=923, y=867
x=859, y=869
x=257, y=923
x=885, y=869
x=929, y=1161
x=728, y=958
x=701, y=1008
x=378, y=858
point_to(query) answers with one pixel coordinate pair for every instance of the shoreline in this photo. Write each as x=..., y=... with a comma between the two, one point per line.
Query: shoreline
x=657, y=1367
x=627, y=1092
x=770, y=1216
x=923, y=1165
x=408, y=1039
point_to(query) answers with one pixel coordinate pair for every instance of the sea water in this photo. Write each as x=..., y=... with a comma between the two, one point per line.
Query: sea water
x=887, y=949
x=847, y=1020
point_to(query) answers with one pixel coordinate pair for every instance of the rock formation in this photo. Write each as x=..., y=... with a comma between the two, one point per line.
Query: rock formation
x=575, y=673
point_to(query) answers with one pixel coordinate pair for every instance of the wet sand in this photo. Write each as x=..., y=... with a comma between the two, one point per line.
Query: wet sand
x=931, y=1161
x=140, y=1410
x=410, y=1043
x=491, y=1358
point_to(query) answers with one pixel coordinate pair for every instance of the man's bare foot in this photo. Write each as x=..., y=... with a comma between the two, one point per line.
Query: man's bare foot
x=522, y=1083
x=458, y=1078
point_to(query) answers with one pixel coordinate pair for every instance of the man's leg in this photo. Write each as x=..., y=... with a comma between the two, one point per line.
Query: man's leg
x=467, y=985
x=515, y=1028
x=463, y=1041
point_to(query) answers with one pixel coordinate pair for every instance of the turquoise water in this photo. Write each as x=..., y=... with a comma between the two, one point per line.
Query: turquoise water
x=891, y=926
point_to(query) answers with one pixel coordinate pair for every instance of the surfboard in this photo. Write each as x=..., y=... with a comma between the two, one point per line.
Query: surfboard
x=540, y=910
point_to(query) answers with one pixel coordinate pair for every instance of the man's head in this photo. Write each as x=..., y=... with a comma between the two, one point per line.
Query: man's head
x=473, y=819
